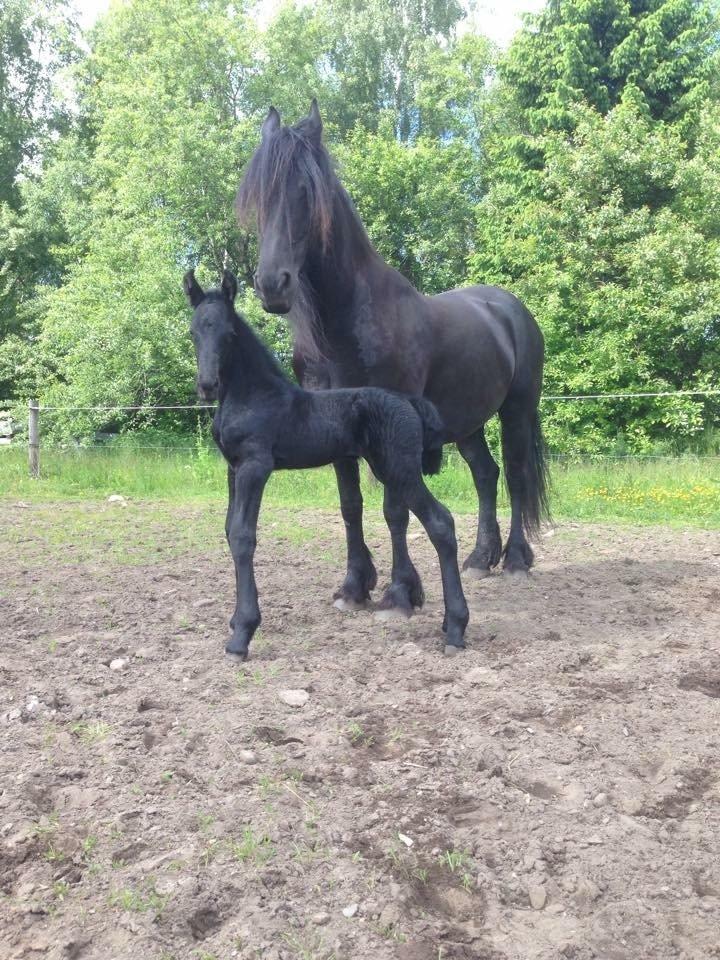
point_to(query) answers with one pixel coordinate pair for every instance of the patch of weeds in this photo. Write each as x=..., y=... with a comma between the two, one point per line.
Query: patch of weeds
x=139, y=900
x=52, y=646
x=391, y=931
x=252, y=848
x=88, y=847
x=60, y=889
x=356, y=857
x=45, y=828
x=268, y=785
x=395, y=734
x=90, y=732
x=53, y=855
x=205, y=821
x=308, y=947
x=420, y=874
x=210, y=852
x=305, y=853
x=358, y=737
x=166, y=776
x=455, y=860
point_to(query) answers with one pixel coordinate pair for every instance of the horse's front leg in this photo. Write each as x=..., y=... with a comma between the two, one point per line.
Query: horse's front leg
x=361, y=577
x=250, y=479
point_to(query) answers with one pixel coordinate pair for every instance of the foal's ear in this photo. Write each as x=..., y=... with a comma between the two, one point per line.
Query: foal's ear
x=229, y=285
x=193, y=291
x=271, y=123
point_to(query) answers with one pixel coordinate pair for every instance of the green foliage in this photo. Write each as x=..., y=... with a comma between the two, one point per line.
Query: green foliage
x=584, y=176
x=602, y=215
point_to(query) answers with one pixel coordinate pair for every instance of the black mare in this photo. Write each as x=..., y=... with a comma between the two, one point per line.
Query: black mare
x=356, y=321
x=264, y=422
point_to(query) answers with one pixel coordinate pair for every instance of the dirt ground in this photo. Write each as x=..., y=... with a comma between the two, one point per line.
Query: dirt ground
x=553, y=792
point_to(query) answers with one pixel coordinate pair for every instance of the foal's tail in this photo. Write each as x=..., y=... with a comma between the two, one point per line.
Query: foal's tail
x=433, y=434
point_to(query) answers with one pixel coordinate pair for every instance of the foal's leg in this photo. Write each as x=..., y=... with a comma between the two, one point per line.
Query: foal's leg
x=228, y=515
x=250, y=479
x=439, y=525
x=361, y=577
x=405, y=591
x=485, y=473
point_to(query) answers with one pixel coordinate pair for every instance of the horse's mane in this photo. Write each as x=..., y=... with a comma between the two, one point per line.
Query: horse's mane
x=283, y=154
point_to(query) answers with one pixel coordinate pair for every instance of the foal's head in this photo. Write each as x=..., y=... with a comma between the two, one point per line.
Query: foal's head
x=288, y=188
x=213, y=325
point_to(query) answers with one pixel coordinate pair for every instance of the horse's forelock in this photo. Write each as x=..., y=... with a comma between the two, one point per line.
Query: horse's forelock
x=280, y=156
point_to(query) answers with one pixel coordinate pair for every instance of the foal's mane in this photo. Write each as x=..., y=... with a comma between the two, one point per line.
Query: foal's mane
x=256, y=356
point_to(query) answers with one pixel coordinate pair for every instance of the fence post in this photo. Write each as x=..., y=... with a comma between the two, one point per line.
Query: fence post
x=34, y=438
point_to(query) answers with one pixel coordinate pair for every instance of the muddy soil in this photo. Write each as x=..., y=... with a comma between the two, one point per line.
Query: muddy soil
x=553, y=792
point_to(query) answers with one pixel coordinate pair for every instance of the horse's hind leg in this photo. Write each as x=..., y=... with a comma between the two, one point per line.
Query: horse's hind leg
x=439, y=525
x=405, y=591
x=361, y=577
x=485, y=472
x=516, y=419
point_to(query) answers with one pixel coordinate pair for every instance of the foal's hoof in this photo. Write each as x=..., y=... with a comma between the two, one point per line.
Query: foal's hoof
x=517, y=573
x=452, y=651
x=388, y=614
x=476, y=573
x=346, y=605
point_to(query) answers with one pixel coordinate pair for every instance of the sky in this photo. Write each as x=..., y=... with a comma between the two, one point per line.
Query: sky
x=497, y=19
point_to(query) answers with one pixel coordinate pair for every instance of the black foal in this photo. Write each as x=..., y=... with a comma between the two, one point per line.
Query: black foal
x=264, y=422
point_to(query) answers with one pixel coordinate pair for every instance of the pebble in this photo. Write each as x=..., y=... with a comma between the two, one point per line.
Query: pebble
x=480, y=676
x=537, y=895
x=203, y=602
x=632, y=806
x=320, y=919
x=600, y=799
x=294, y=698
x=32, y=706
x=117, y=498
x=350, y=910
x=409, y=650
x=247, y=756
x=119, y=663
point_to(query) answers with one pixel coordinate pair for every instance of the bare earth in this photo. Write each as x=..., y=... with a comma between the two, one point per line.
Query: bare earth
x=554, y=792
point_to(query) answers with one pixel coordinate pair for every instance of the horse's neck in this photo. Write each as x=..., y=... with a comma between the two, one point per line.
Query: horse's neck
x=351, y=277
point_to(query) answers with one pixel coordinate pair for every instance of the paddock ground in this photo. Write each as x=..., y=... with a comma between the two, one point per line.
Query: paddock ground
x=554, y=792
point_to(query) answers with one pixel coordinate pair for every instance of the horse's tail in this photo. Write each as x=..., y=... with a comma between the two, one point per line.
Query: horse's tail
x=433, y=434
x=536, y=502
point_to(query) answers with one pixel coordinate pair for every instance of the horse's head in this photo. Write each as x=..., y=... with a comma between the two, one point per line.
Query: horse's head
x=212, y=326
x=288, y=189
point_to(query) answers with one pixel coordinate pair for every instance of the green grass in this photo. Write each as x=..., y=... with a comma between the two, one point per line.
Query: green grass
x=678, y=490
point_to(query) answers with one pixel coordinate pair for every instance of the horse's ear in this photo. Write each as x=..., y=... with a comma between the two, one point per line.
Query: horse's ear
x=313, y=122
x=193, y=290
x=271, y=123
x=229, y=285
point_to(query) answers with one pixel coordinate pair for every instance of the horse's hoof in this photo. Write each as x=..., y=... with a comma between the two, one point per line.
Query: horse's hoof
x=233, y=657
x=518, y=573
x=476, y=573
x=347, y=605
x=392, y=613
x=451, y=650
